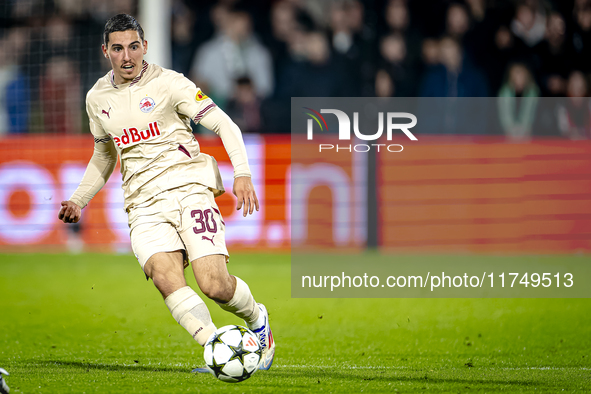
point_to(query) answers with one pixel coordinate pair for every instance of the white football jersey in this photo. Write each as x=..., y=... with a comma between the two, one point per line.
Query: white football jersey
x=148, y=120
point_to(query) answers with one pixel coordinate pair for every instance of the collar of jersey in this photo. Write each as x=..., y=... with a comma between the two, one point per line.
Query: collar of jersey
x=135, y=80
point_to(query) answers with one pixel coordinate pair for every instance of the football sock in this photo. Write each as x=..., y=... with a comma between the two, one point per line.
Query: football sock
x=258, y=323
x=242, y=304
x=189, y=310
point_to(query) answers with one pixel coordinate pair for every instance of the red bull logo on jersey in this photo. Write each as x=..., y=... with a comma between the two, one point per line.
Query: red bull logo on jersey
x=147, y=104
x=132, y=136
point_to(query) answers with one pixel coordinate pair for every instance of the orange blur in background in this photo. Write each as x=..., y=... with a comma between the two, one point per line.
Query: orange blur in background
x=446, y=194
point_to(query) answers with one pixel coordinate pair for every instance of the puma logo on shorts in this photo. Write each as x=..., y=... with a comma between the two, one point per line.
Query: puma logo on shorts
x=203, y=237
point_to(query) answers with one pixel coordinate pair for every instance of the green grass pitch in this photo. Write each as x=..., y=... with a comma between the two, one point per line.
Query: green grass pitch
x=92, y=324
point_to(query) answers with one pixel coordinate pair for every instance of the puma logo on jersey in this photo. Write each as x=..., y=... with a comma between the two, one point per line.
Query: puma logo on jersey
x=132, y=136
x=107, y=113
x=203, y=237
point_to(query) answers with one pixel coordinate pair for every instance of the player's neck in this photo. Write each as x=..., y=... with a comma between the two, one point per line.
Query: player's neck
x=122, y=80
x=119, y=80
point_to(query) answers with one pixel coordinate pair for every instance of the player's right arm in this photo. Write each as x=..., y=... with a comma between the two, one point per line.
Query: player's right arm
x=99, y=169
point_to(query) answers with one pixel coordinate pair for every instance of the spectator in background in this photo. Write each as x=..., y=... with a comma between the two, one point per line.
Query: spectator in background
x=316, y=10
x=384, y=87
x=284, y=28
x=14, y=86
x=457, y=22
x=529, y=23
x=59, y=85
x=485, y=21
x=61, y=97
x=245, y=107
x=517, y=103
x=554, y=57
x=58, y=37
x=478, y=10
x=398, y=21
x=581, y=38
x=430, y=53
x=574, y=113
x=341, y=31
x=395, y=62
x=290, y=23
x=101, y=10
x=319, y=75
x=353, y=42
x=71, y=8
x=183, y=22
x=455, y=76
x=233, y=53
x=458, y=27
x=503, y=49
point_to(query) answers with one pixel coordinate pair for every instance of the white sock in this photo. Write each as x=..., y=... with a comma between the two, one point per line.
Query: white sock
x=258, y=323
x=189, y=310
x=242, y=304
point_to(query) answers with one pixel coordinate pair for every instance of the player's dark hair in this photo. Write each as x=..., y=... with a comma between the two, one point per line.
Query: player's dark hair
x=122, y=22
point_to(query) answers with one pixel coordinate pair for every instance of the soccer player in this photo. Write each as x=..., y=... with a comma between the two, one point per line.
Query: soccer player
x=142, y=112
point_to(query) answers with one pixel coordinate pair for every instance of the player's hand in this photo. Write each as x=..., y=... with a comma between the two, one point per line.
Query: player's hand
x=69, y=212
x=244, y=191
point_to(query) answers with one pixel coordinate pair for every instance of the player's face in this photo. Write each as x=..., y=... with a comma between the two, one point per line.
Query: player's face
x=126, y=52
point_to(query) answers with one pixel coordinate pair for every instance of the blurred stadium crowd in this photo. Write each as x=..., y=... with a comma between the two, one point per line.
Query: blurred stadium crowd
x=252, y=56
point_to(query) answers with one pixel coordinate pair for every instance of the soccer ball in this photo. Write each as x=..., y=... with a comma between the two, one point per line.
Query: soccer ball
x=233, y=353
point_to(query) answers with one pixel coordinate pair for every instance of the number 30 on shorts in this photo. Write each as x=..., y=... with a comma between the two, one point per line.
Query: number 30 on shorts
x=204, y=221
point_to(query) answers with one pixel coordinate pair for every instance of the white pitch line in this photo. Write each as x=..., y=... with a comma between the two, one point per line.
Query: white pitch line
x=337, y=366
x=549, y=368
x=404, y=367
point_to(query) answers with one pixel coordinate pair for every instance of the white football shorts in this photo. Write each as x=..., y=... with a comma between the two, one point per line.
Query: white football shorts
x=186, y=218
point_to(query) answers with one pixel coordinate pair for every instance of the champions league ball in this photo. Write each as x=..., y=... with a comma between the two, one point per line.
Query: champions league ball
x=233, y=353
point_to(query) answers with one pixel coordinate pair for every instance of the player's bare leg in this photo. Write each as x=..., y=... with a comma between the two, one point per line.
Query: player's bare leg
x=188, y=309
x=213, y=278
x=166, y=271
x=232, y=294
x=229, y=292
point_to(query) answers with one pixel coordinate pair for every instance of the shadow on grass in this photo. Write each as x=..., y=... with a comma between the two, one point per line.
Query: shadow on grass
x=350, y=376
x=306, y=378
x=86, y=366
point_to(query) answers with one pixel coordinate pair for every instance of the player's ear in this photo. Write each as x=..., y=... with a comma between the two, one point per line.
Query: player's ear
x=145, y=47
x=105, y=54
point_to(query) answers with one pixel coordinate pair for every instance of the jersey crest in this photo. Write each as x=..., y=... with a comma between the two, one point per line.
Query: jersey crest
x=200, y=96
x=147, y=104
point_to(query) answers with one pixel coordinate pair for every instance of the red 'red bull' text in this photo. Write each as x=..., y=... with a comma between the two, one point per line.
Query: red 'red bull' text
x=132, y=135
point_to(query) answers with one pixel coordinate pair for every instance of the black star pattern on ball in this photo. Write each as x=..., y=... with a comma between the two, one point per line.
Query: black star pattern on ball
x=215, y=341
x=217, y=369
x=243, y=330
x=238, y=353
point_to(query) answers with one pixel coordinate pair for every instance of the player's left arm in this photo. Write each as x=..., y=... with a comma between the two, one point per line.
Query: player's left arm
x=220, y=123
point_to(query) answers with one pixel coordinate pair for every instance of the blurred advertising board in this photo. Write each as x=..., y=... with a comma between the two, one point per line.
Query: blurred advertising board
x=37, y=172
